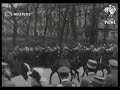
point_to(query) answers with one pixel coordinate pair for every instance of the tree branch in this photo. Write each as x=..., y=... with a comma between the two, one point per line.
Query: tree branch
x=12, y=6
x=7, y=8
x=23, y=31
x=21, y=23
x=100, y=10
x=51, y=9
x=8, y=20
x=19, y=18
x=34, y=5
x=3, y=23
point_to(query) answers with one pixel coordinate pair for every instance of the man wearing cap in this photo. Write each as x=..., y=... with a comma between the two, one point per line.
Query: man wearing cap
x=112, y=79
x=97, y=81
x=63, y=72
x=87, y=80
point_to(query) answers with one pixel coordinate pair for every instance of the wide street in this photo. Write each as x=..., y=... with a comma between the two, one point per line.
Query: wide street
x=45, y=78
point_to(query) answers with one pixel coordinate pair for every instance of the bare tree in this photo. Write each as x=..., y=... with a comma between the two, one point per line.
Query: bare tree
x=67, y=30
x=63, y=23
x=27, y=22
x=95, y=19
x=47, y=14
x=73, y=24
x=36, y=6
x=58, y=23
x=13, y=21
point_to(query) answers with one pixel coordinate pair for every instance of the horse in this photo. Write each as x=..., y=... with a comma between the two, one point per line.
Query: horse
x=101, y=65
x=53, y=57
x=73, y=60
x=102, y=62
x=83, y=56
x=68, y=59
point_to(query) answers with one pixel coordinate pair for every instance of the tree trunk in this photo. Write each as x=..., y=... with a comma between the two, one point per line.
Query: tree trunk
x=62, y=32
x=63, y=24
x=67, y=32
x=105, y=33
x=36, y=6
x=74, y=30
x=46, y=26
x=58, y=28
x=35, y=24
x=14, y=25
x=27, y=33
x=85, y=18
x=92, y=39
x=14, y=33
x=45, y=30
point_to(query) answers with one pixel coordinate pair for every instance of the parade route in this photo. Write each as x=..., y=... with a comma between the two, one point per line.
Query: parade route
x=20, y=82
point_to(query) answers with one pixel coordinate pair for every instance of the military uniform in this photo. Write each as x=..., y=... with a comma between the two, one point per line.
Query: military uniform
x=86, y=81
x=65, y=82
x=90, y=80
x=112, y=79
x=98, y=81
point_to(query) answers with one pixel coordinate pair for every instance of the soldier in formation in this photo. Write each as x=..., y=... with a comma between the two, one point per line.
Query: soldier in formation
x=32, y=54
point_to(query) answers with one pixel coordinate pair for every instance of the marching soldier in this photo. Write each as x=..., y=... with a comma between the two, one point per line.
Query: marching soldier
x=63, y=72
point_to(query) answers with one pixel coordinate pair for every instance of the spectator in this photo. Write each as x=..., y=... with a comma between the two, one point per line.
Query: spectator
x=64, y=74
x=86, y=81
x=98, y=81
x=112, y=79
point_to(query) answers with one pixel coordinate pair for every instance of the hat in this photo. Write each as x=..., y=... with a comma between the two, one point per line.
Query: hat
x=113, y=63
x=31, y=49
x=92, y=46
x=75, y=48
x=26, y=48
x=3, y=64
x=65, y=47
x=48, y=47
x=63, y=69
x=87, y=48
x=17, y=47
x=92, y=64
x=98, y=81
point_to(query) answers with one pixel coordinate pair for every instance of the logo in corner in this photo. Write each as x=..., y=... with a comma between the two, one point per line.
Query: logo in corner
x=111, y=9
x=8, y=14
